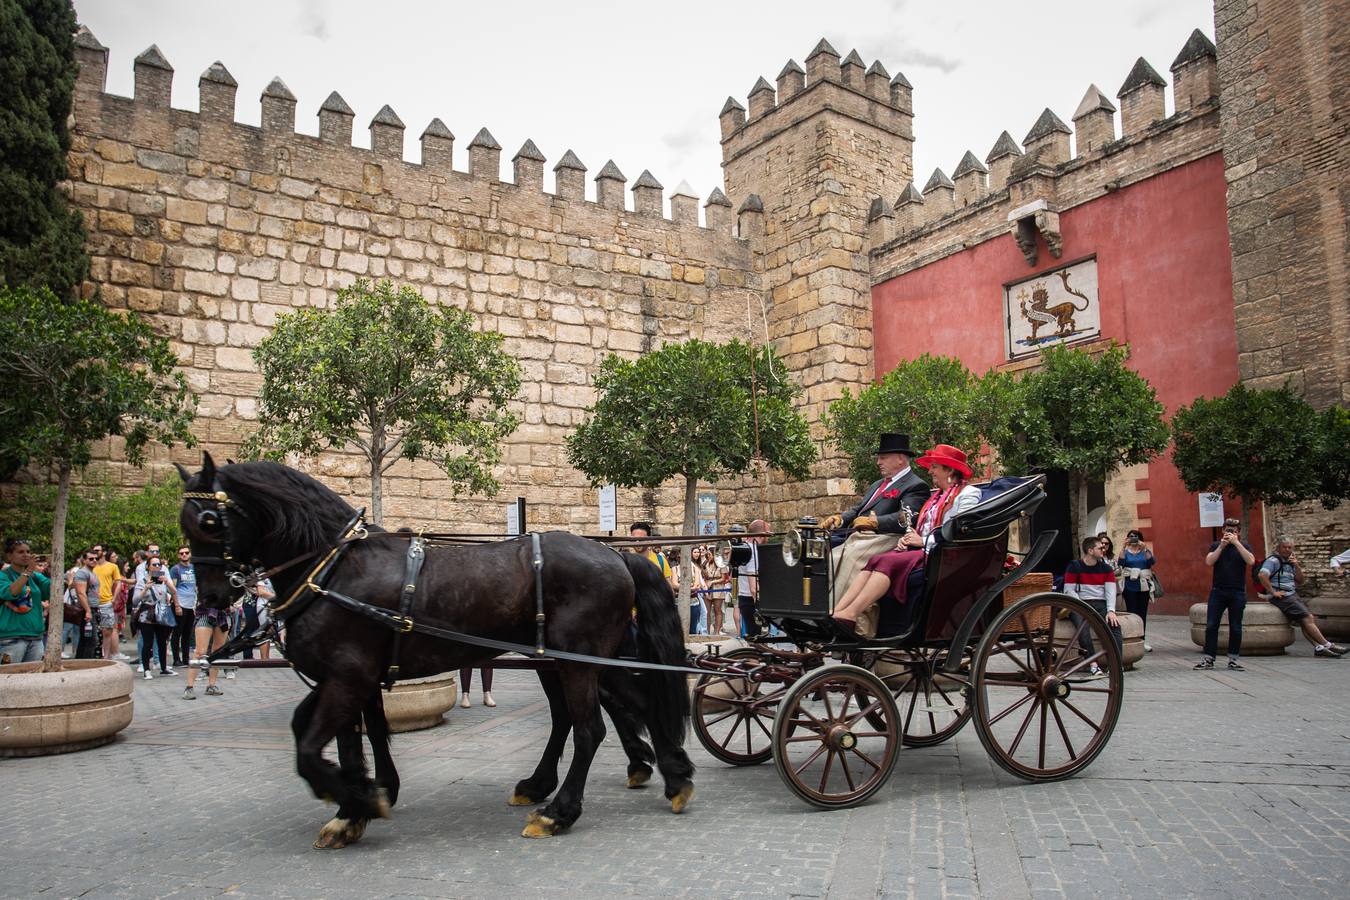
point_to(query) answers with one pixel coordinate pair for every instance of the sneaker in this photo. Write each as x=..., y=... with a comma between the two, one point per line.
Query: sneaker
x=168, y=672
x=1327, y=652
x=213, y=691
x=231, y=673
x=1236, y=666
x=189, y=694
x=148, y=676
x=1148, y=648
x=1205, y=663
x=1095, y=671
x=121, y=657
x=140, y=668
x=1338, y=650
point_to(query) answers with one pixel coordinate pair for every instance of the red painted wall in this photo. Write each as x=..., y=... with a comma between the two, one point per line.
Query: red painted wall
x=1165, y=288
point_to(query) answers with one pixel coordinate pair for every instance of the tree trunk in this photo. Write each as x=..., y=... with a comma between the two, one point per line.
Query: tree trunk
x=1247, y=504
x=51, y=659
x=1076, y=481
x=376, y=475
x=687, y=552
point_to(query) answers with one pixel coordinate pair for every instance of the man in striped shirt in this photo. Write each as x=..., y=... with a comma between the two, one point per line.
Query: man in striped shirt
x=1091, y=580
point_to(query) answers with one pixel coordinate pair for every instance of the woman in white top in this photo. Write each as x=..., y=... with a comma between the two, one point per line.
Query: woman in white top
x=897, y=572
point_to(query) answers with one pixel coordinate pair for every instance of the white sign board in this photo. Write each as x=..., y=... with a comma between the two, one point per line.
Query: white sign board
x=609, y=509
x=512, y=519
x=1211, y=510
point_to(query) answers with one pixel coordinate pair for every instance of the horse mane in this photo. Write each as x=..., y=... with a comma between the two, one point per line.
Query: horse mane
x=296, y=510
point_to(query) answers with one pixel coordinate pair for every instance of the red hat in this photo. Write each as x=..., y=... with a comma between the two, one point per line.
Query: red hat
x=947, y=455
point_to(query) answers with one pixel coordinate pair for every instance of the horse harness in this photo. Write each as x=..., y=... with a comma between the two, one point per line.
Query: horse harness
x=402, y=622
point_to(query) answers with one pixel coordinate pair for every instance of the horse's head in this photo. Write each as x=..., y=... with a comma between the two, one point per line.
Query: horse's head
x=221, y=533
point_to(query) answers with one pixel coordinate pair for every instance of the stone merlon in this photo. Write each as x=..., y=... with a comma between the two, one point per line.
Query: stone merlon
x=570, y=161
x=938, y=179
x=1047, y=124
x=435, y=128
x=216, y=73
x=717, y=198
x=822, y=47
x=1140, y=76
x=1197, y=47
x=732, y=105
x=1004, y=146
x=151, y=56
x=610, y=171
x=753, y=204
x=529, y=151
x=485, y=139
x=969, y=163
x=647, y=180
x=276, y=88
x=1093, y=101
x=386, y=116
x=790, y=69
x=85, y=39
x=335, y=104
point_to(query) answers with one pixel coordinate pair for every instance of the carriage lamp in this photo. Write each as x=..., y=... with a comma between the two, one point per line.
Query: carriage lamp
x=731, y=554
x=815, y=544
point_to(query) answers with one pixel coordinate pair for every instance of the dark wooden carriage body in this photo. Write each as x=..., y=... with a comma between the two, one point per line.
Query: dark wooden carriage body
x=953, y=653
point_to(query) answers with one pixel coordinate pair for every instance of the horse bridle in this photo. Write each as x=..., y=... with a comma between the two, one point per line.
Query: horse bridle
x=216, y=520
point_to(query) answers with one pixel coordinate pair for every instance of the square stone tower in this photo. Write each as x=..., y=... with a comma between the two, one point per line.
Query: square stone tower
x=805, y=165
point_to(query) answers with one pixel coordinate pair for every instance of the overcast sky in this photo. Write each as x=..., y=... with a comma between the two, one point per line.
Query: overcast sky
x=642, y=82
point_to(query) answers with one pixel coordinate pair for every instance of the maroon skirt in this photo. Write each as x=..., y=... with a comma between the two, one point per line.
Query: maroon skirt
x=897, y=565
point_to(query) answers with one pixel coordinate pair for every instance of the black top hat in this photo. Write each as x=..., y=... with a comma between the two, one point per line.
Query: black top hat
x=896, y=443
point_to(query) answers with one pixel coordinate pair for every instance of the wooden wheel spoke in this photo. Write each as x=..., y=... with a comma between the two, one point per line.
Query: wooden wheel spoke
x=1071, y=643
x=865, y=758
x=1096, y=728
x=1021, y=732
x=863, y=734
x=825, y=775
x=1003, y=648
x=928, y=706
x=1041, y=754
x=825, y=697
x=1084, y=662
x=1008, y=682
x=873, y=707
x=1063, y=732
x=727, y=715
x=813, y=757
x=848, y=695
x=1080, y=689
x=995, y=719
x=1026, y=629
x=801, y=737
x=909, y=716
x=762, y=727
x=732, y=733
x=848, y=776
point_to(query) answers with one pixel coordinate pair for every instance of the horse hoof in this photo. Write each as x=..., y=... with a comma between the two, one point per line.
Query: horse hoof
x=521, y=800
x=382, y=806
x=356, y=830
x=539, y=826
x=333, y=835
x=681, y=801
x=639, y=778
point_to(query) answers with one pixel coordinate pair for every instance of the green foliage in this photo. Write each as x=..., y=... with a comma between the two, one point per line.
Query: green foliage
x=1333, y=466
x=41, y=240
x=101, y=514
x=397, y=378
x=1085, y=413
x=687, y=409
x=1257, y=445
x=933, y=399
x=73, y=373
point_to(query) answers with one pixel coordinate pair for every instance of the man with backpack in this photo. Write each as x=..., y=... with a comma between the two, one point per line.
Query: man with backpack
x=1229, y=557
x=1279, y=577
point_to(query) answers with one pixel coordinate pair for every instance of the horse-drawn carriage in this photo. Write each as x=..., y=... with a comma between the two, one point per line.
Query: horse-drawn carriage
x=833, y=710
x=363, y=607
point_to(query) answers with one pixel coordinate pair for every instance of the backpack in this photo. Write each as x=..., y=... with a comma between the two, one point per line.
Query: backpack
x=1256, y=569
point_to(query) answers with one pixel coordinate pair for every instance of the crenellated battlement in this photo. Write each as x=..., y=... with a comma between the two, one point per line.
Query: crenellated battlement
x=1023, y=188
x=153, y=119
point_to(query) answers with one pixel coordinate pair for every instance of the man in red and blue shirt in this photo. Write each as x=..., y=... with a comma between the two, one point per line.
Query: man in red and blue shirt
x=1092, y=580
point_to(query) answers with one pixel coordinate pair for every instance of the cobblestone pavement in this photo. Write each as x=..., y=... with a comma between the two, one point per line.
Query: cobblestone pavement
x=1215, y=784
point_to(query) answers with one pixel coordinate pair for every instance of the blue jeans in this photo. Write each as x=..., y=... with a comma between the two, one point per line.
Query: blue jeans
x=1235, y=602
x=21, y=650
x=70, y=634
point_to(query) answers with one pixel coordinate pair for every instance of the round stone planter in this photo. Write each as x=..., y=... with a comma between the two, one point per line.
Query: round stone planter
x=1265, y=630
x=420, y=702
x=1131, y=633
x=1333, y=616
x=82, y=706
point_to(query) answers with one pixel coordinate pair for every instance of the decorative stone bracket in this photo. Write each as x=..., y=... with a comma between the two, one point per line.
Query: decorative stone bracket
x=1027, y=220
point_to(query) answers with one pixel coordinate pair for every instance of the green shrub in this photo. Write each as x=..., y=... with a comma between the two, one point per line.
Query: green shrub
x=120, y=520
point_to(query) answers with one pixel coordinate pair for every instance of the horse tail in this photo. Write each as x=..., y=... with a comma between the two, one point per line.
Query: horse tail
x=660, y=639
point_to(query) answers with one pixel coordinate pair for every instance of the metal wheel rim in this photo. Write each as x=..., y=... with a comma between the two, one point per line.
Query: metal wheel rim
x=720, y=730
x=1039, y=714
x=923, y=695
x=825, y=749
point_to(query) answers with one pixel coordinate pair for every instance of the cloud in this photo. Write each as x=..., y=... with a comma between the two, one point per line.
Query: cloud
x=313, y=19
x=683, y=140
x=924, y=58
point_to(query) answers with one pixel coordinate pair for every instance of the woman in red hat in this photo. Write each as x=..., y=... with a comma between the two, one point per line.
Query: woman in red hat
x=898, y=571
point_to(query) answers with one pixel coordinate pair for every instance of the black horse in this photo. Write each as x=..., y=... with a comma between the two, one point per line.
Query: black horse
x=266, y=515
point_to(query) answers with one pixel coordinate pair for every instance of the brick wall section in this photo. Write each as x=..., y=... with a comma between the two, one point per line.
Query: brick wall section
x=1284, y=66
x=214, y=228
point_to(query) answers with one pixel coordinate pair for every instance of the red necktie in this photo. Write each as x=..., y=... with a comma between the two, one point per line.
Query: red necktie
x=877, y=494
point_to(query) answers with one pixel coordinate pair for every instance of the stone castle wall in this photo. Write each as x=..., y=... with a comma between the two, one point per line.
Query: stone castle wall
x=214, y=228
x=1285, y=67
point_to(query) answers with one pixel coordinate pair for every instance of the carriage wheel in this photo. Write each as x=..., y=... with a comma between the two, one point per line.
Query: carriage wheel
x=1039, y=711
x=836, y=737
x=733, y=716
x=932, y=703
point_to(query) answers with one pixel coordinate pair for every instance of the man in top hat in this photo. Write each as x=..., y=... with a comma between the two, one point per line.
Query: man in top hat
x=880, y=507
x=878, y=517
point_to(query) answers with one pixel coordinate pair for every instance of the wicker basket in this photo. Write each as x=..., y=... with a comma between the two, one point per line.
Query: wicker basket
x=1028, y=584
